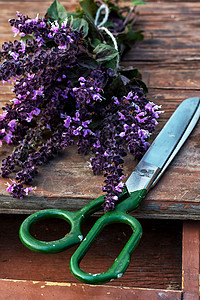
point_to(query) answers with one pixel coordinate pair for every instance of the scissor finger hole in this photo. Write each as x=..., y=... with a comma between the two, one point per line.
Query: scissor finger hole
x=50, y=229
x=107, y=246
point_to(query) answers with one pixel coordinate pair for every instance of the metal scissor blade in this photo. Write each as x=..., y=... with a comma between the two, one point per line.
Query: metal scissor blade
x=165, y=146
x=184, y=137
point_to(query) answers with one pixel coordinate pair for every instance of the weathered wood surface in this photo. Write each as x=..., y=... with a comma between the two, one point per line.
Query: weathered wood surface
x=190, y=260
x=31, y=290
x=155, y=264
x=168, y=59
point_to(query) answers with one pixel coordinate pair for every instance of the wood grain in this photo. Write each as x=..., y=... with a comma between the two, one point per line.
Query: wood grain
x=156, y=263
x=30, y=290
x=168, y=59
x=190, y=260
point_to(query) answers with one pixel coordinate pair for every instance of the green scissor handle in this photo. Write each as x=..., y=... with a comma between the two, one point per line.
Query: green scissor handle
x=121, y=263
x=75, y=219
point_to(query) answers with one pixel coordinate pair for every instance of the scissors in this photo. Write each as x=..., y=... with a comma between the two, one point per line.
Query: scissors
x=145, y=176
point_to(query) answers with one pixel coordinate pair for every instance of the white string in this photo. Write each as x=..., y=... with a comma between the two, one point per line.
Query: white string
x=111, y=36
x=105, y=19
x=97, y=17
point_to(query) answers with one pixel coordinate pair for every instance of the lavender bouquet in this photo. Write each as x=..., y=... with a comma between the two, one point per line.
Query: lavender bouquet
x=69, y=88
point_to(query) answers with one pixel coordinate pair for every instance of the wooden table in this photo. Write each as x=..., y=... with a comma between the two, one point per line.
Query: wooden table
x=168, y=59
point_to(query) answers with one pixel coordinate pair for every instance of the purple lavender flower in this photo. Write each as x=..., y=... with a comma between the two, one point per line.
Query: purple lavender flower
x=8, y=137
x=77, y=115
x=64, y=24
x=14, y=55
x=67, y=121
x=12, y=124
x=35, y=21
x=15, y=30
x=90, y=88
x=121, y=116
x=42, y=24
x=60, y=98
x=55, y=27
x=3, y=116
x=23, y=47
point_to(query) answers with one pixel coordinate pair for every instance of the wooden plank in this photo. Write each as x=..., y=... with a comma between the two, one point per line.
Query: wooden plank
x=168, y=19
x=167, y=58
x=67, y=182
x=71, y=167
x=31, y=290
x=173, y=78
x=155, y=264
x=142, y=56
x=190, y=260
x=168, y=8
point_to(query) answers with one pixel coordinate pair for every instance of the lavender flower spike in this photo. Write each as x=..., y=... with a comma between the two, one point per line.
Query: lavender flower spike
x=65, y=94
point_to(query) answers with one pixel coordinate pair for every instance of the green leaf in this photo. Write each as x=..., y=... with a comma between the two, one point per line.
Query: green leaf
x=130, y=73
x=129, y=36
x=75, y=14
x=78, y=72
x=139, y=83
x=116, y=88
x=94, y=42
x=105, y=52
x=57, y=12
x=94, y=36
x=89, y=7
x=134, y=35
x=126, y=38
x=108, y=24
x=138, y=2
x=26, y=37
x=87, y=62
x=80, y=24
x=115, y=10
x=111, y=63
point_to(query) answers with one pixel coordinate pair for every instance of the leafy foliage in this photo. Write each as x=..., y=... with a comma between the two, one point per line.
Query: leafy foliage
x=105, y=53
x=57, y=12
x=90, y=8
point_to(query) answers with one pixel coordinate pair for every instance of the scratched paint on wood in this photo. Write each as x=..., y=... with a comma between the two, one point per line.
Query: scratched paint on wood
x=153, y=264
x=167, y=59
